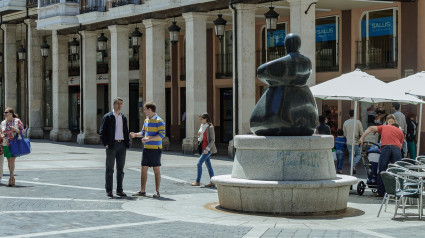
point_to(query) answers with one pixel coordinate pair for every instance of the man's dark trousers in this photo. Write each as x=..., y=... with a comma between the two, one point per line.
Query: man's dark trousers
x=117, y=152
x=389, y=153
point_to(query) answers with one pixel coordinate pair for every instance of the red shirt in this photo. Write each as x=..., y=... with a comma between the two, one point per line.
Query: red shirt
x=205, y=140
x=391, y=135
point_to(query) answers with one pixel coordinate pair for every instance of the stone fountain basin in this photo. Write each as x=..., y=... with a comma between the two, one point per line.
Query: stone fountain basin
x=284, y=197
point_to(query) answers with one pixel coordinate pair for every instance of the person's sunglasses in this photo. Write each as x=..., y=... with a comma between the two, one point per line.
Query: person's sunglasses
x=5, y=112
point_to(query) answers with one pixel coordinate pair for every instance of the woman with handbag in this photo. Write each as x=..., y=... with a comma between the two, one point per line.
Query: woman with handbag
x=9, y=127
x=206, y=140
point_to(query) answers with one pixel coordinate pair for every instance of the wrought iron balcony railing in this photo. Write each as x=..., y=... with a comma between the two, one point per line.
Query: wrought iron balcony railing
x=32, y=3
x=118, y=3
x=44, y=3
x=92, y=6
x=224, y=66
x=377, y=53
x=327, y=59
x=264, y=56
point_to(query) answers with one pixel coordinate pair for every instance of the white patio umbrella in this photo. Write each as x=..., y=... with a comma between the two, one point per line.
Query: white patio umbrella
x=358, y=86
x=415, y=86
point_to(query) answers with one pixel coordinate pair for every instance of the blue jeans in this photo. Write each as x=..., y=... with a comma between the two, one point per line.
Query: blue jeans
x=357, y=154
x=204, y=158
x=389, y=154
x=340, y=158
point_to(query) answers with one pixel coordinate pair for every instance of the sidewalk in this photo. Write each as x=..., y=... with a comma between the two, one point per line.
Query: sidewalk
x=60, y=193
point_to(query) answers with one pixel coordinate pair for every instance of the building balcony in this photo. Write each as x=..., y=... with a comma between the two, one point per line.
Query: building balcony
x=10, y=6
x=381, y=53
x=224, y=66
x=32, y=3
x=57, y=14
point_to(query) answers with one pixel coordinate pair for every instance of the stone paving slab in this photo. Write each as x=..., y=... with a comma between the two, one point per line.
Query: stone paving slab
x=60, y=193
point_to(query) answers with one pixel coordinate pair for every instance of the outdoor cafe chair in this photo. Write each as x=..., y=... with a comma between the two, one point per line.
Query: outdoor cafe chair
x=396, y=192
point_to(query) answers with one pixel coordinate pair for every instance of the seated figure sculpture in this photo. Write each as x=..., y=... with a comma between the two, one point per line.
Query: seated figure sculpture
x=287, y=108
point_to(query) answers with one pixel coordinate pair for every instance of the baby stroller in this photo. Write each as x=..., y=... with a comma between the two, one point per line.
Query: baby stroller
x=370, y=158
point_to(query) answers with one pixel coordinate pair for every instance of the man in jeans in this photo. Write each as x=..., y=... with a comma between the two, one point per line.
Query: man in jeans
x=115, y=137
x=391, y=140
x=348, y=129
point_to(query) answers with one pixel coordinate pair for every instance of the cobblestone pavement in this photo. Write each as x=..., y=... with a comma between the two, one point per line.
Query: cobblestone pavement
x=60, y=193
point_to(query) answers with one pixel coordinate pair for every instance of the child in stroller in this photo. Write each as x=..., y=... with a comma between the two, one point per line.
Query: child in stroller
x=370, y=157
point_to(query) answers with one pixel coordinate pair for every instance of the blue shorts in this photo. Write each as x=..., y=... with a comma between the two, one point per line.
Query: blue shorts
x=151, y=157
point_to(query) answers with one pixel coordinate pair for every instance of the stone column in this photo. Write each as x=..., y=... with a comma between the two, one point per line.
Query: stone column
x=245, y=67
x=155, y=67
x=196, y=76
x=89, y=100
x=120, y=67
x=10, y=67
x=60, y=131
x=304, y=25
x=35, y=82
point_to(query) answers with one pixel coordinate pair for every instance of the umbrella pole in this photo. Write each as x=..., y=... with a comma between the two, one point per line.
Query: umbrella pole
x=419, y=130
x=354, y=137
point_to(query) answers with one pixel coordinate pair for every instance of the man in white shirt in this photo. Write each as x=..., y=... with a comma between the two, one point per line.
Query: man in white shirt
x=348, y=129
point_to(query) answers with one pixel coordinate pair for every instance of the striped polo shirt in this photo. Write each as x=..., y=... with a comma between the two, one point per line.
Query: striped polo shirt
x=152, y=127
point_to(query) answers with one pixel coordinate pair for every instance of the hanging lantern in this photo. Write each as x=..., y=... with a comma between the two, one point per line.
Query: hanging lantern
x=45, y=49
x=74, y=46
x=21, y=53
x=136, y=37
x=174, y=33
x=220, y=25
x=271, y=19
x=102, y=42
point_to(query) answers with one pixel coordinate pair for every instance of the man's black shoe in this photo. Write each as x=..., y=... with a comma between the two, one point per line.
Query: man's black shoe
x=121, y=194
x=109, y=194
x=354, y=171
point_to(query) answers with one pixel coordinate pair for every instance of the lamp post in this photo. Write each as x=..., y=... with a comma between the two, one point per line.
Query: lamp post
x=271, y=19
x=102, y=42
x=220, y=26
x=74, y=46
x=136, y=39
x=21, y=53
x=174, y=32
x=45, y=50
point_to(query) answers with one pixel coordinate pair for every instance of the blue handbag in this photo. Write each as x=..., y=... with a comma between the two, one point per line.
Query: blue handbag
x=20, y=146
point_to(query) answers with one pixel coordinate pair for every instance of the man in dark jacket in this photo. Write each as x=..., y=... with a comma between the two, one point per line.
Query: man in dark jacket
x=115, y=137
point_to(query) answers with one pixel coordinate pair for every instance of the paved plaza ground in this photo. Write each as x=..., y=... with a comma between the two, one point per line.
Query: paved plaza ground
x=60, y=193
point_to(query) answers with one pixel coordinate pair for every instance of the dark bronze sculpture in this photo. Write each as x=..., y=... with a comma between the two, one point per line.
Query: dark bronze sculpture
x=287, y=108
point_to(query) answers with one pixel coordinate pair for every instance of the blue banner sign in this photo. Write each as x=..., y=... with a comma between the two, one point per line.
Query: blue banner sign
x=326, y=32
x=278, y=38
x=379, y=27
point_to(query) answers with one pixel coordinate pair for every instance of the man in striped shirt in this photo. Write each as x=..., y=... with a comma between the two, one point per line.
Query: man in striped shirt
x=152, y=133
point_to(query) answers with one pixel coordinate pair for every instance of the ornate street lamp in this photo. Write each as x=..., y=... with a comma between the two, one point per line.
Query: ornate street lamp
x=220, y=26
x=74, y=46
x=136, y=37
x=21, y=53
x=45, y=49
x=271, y=19
x=102, y=42
x=174, y=32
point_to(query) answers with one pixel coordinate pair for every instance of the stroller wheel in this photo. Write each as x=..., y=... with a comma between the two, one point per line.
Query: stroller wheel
x=360, y=188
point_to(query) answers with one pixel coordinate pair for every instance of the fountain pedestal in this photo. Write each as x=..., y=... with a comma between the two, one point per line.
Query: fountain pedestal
x=283, y=174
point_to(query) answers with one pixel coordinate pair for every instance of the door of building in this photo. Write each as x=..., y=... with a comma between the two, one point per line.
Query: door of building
x=226, y=114
x=74, y=108
x=168, y=112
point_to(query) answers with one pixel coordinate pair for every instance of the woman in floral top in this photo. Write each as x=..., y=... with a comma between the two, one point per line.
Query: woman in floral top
x=9, y=127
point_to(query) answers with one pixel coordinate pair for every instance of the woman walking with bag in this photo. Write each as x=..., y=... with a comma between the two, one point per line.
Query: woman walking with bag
x=206, y=138
x=9, y=127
